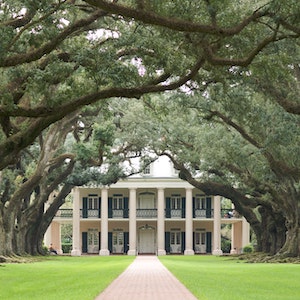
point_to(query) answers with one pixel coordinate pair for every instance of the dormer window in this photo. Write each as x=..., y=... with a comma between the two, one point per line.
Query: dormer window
x=147, y=170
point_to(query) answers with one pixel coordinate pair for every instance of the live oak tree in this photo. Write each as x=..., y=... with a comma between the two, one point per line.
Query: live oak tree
x=70, y=153
x=45, y=47
x=59, y=56
x=231, y=141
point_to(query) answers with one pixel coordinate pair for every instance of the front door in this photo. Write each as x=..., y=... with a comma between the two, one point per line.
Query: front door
x=93, y=240
x=146, y=240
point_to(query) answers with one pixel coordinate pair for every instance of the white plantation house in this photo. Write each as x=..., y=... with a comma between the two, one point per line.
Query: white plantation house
x=150, y=213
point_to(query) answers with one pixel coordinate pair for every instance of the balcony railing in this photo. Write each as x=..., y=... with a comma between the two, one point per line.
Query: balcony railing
x=146, y=213
x=174, y=213
x=118, y=213
x=203, y=213
x=90, y=213
x=64, y=213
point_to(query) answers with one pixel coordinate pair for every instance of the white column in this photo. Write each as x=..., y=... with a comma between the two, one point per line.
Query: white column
x=233, y=248
x=161, y=222
x=76, y=249
x=48, y=236
x=217, y=226
x=245, y=233
x=132, y=222
x=189, y=222
x=104, y=223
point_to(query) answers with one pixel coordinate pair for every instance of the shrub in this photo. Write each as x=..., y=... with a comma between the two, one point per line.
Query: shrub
x=66, y=248
x=225, y=245
x=248, y=249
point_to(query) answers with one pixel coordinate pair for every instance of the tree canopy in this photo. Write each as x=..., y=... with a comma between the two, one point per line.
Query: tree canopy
x=63, y=64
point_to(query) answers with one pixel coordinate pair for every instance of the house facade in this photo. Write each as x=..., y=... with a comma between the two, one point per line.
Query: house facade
x=147, y=214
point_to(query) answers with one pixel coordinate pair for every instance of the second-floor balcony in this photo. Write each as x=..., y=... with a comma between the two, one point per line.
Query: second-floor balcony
x=149, y=213
x=146, y=213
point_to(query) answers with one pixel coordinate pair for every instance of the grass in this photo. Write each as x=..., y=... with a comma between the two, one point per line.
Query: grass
x=221, y=278
x=60, y=277
x=207, y=277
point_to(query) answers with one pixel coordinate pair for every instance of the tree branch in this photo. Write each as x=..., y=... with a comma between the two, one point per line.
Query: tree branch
x=36, y=54
x=149, y=17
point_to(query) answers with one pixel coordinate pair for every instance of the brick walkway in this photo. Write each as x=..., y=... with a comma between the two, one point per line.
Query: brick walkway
x=146, y=279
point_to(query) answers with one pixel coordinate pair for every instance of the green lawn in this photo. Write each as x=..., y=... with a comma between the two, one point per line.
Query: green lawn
x=221, y=278
x=208, y=277
x=60, y=277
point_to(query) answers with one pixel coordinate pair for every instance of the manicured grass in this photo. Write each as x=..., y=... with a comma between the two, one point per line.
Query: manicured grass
x=222, y=278
x=60, y=277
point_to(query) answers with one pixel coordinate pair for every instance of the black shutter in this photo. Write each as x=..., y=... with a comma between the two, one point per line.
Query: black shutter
x=194, y=246
x=208, y=207
x=208, y=242
x=168, y=207
x=84, y=242
x=194, y=207
x=84, y=207
x=182, y=242
x=110, y=242
x=99, y=208
x=183, y=207
x=125, y=211
x=110, y=210
x=126, y=242
x=99, y=239
x=167, y=242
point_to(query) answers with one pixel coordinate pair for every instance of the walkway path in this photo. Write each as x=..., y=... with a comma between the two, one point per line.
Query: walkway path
x=146, y=279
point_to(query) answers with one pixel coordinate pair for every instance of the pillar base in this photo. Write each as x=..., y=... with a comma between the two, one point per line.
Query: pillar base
x=189, y=252
x=161, y=252
x=60, y=252
x=217, y=252
x=75, y=253
x=132, y=252
x=104, y=252
x=233, y=251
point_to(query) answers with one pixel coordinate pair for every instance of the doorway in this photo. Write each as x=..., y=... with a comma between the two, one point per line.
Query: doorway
x=147, y=240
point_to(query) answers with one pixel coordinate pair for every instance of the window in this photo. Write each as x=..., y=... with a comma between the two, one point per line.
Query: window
x=118, y=238
x=176, y=202
x=93, y=237
x=117, y=202
x=203, y=238
x=200, y=238
x=200, y=202
x=93, y=203
x=147, y=170
x=175, y=238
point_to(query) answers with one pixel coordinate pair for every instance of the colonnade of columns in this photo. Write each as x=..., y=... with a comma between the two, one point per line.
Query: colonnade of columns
x=160, y=223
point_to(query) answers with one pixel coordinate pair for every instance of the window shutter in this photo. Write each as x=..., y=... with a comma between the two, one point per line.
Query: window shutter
x=110, y=211
x=182, y=242
x=167, y=242
x=99, y=208
x=194, y=207
x=183, y=207
x=99, y=239
x=125, y=211
x=84, y=242
x=168, y=207
x=126, y=242
x=208, y=242
x=110, y=242
x=208, y=207
x=84, y=207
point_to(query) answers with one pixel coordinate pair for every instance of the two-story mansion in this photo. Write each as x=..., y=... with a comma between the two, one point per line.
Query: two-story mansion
x=150, y=213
